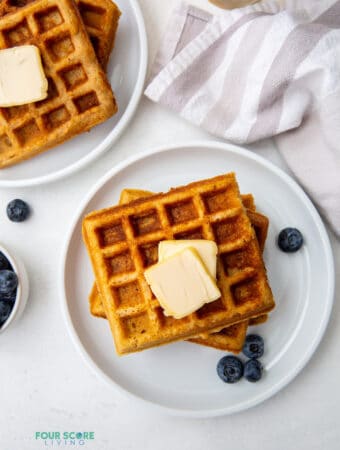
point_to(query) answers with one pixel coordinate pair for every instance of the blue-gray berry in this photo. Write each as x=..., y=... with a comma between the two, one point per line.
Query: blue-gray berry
x=253, y=370
x=253, y=346
x=5, y=311
x=290, y=240
x=8, y=282
x=230, y=369
x=17, y=210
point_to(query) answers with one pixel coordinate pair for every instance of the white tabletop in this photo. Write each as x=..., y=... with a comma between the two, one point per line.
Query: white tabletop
x=45, y=385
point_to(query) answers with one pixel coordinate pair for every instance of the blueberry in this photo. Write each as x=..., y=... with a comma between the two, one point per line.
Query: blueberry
x=10, y=297
x=17, y=210
x=230, y=369
x=253, y=370
x=4, y=263
x=5, y=311
x=290, y=240
x=8, y=282
x=253, y=346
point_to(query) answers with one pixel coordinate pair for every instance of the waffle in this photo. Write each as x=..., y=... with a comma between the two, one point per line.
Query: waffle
x=80, y=96
x=100, y=17
x=228, y=339
x=231, y=338
x=123, y=240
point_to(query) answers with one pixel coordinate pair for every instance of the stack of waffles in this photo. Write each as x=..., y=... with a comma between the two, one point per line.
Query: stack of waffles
x=75, y=40
x=122, y=241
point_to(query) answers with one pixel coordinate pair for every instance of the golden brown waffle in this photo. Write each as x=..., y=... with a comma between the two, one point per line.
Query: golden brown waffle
x=100, y=17
x=229, y=339
x=130, y=195
x=95, y=300
x=96, y=303
x=123, y=240
x=258, y=320
x=80, y=96
x=259, y=223
x=248, y=201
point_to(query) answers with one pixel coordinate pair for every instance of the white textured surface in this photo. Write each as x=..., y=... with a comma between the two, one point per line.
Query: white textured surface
x=44, y=384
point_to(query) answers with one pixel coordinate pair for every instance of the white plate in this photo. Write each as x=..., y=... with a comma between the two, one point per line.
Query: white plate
x=126, y=73
x=181, y=377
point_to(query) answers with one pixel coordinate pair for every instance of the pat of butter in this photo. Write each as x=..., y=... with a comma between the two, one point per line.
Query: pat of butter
x=22, y=77
x=181, y=283
x=207, y=251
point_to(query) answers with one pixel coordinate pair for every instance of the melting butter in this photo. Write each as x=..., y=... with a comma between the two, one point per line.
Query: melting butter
x=22, y=77
x=181, y=283
x=206, y=249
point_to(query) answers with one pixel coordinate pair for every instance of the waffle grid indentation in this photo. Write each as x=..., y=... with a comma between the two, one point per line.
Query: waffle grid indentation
x=197, y=215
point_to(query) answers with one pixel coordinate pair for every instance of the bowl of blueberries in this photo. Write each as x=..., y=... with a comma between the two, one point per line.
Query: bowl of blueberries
x=13, y=288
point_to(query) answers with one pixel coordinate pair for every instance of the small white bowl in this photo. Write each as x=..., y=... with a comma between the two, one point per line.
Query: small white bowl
x=22, y=290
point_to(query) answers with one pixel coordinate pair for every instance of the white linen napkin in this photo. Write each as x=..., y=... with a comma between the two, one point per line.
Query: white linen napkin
x=270, y=69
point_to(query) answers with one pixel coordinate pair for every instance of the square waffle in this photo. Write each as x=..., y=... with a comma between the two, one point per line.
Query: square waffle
x=100, y=18
x=229, y=339
x=80, y=96
x=123, y=240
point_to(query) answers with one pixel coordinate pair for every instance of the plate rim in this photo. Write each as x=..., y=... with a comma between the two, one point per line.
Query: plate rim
x=329, y=295
x=118, y=129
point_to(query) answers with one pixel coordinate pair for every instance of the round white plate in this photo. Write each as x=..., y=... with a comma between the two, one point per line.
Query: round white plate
x=126, y=73
x=181, y=377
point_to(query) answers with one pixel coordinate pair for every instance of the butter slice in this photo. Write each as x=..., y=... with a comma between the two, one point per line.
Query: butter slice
x=207, y=251
x=181, y=283
x=22, y=77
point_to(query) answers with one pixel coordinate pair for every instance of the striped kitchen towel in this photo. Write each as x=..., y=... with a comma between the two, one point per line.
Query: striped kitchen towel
x=270, y=69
